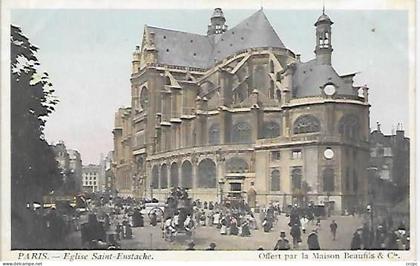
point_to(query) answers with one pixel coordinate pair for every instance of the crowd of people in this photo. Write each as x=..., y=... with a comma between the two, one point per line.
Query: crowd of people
x=382, y=238
x=103, y=225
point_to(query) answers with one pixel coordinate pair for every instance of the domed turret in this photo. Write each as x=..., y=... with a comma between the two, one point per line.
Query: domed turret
x=217, y=22
x=323, y=48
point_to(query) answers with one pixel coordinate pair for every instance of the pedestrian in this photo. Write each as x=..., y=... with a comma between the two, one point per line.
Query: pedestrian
x=266, y=224
x=245, y=228
x=223, y=226
x=136, y=218
x=333, y=227
x=189, y=225
x=126, y=230
x=366, y=236
x=95, y=230
x=153, y=219
x=282, y=243
x=210, y=218
x=203, y=218
x=234, y=226
x=175, y=220
x=212, y=246
x=313, y=243
x=169, y=230
x=296, y=235
x=356, y=241
x=318, y=224
x=190, y=246
x=304, y=221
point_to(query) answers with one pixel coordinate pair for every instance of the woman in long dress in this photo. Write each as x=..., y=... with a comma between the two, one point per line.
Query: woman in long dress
x=223, y=226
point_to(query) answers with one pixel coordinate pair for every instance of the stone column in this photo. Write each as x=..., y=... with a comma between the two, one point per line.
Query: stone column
x=168, y=173
x=180, y=177
x=288, y=84
x=194, y=162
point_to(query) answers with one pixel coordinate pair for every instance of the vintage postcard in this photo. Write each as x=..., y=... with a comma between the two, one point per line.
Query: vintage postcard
x=170, y=130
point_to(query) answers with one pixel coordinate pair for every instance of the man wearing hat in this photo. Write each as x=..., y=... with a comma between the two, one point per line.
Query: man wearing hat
x=282, y=243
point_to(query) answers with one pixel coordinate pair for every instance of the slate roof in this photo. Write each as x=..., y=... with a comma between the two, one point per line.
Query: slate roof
x=310, y=77
x=195, y=50
x=253, y=32
x=181, y=48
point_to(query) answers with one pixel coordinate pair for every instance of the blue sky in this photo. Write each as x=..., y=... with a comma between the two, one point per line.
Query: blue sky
x=88, y=56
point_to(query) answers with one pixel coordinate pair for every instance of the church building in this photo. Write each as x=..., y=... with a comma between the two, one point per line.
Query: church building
x=235, y=115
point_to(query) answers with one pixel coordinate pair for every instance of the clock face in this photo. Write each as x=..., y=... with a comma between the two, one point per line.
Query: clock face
x=329, y=89
x=328, y=153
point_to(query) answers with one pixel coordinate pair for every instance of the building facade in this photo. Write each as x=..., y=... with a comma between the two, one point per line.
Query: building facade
x=389, y=166
x=123, y=155
x=91, y=175
x=70, y=163
x=234, y=114
x=75, y=168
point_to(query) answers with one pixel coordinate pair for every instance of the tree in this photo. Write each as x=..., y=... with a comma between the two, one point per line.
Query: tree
x=34, y=169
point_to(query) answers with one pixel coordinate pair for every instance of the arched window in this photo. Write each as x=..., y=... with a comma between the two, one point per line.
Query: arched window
x=163, y=176
x=306, y=124
x=214, y=134
x=174, y=175
x=328, y=180
x=155, y=177
x=260, y=77
x=271, y=129
x=297, y=177
x=349, y=126
x=237, y=165
x=275, y=180
x=144, y=98
x=206, y=174
x=241, y=133
x=271, y=67
x=186, y=174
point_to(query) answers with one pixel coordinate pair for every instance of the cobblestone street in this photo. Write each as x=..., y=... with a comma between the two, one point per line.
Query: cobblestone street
x=149, y=237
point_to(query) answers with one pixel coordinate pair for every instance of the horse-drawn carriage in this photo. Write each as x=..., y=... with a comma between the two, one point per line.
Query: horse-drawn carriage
x=178, y=215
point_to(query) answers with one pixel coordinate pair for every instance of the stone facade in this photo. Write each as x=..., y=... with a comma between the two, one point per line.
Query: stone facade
x=70, y=163
x=389, y=166
x=236, y=115
x=123, y=158
x=91, y=174
x=75, y=166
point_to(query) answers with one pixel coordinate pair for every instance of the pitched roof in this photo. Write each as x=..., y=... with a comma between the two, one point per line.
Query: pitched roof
x=195, y=50
x=181, y=48
x=253, y=32
x=310, y=77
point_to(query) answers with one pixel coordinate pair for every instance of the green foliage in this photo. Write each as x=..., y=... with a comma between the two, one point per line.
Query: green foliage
x=34, y=169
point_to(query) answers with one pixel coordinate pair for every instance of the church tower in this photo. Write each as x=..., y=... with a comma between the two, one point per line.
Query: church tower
x=217, y=23
x=323, y=48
